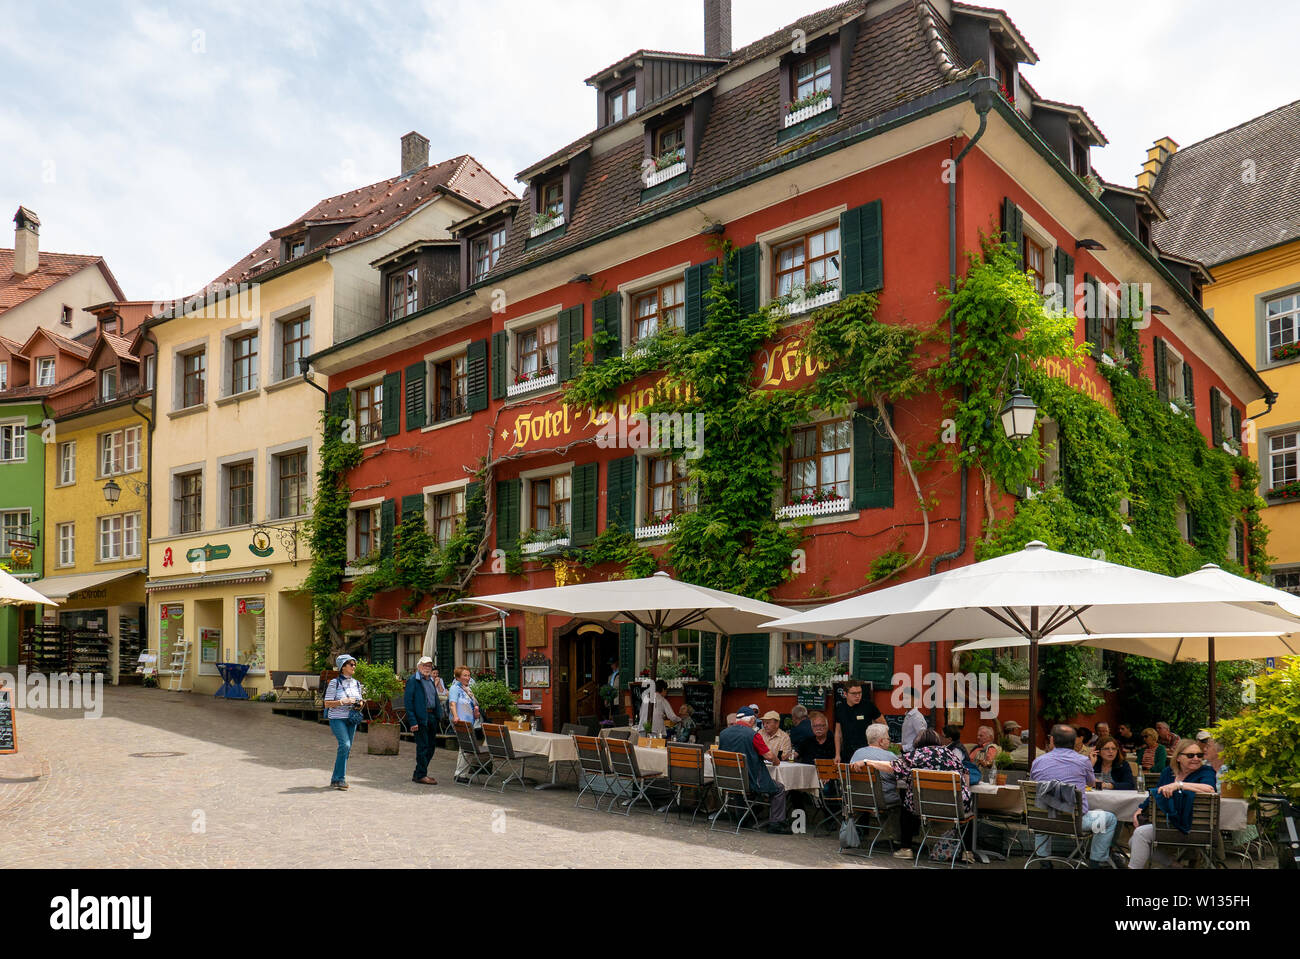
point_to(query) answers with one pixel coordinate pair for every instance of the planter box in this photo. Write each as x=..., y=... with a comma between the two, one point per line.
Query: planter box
x=382, y=739
x=532, y=549
x=826, y=508
x=811, y=303
x=808, y=112
x=553, y=225
x=794, y=682
x=658, y=531
x=531, y=386
x=656, y=177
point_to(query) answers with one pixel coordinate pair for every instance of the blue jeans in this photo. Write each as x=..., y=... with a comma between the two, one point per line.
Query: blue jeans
x=343, y=731
x=1100, y=841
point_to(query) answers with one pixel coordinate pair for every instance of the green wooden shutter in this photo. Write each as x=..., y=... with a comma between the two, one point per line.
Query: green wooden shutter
x=1092, y=317
x=412, y=505
x=1216, y=415
x=508, y=650
x=1241, y=543
x=476, y=374
x=748, y=661
x=391, y=423
x=1236, y=417
x=508, y=496
x=1065, y=278
x=607, y=319
x=416, y=396
x=620, y=493
x=873, y=462
x=1189, y=387
x=585, y=492
x=697, y=285
x=338, y=404
x=570, y=334
x=383, y=649
x=474, y=506
x=387, y=527
x=708, y=651
x=873, y=663
x=1013, y=229
x=747, y=281
x=500, y=364
x=862, y=247
x=1159, y=359
x=626, y=653
x=445, y=652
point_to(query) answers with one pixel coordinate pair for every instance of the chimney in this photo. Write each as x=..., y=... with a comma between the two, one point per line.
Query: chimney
x=415, y=153
x=27, y=246
x=1160, y=151
x=717, y=28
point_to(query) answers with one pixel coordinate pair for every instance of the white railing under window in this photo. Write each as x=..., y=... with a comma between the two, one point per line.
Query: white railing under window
x=808, y=112
x=547, y=226
x=828, y=507
x=805, y=304
x=666, y=174
x=794, y=682
x=535, y=383
x=542, y=545
x=657, y=531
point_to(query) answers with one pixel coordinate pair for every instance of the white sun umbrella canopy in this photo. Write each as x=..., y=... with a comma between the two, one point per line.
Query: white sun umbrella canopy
x=1036, y=593
x=14, y=592
x=659, y=604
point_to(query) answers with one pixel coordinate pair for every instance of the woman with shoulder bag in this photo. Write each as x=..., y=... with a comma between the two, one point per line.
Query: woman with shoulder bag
x=344, y=698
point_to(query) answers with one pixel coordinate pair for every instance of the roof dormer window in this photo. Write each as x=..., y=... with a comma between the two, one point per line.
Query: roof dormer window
x=297, y=248
x=812, y=86
x=550, y=207
x=1004, y=72
x=622, y=102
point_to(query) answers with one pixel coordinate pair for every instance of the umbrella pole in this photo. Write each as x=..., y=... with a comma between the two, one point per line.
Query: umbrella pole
x=1214, y=687
x=1033, y=683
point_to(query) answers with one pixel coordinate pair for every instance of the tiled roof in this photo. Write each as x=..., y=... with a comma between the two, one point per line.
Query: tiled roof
x=12, y=346
x=372, y=209
x=79, y=350
x=893, y=62
x=1215, y=212
x=121, y=345
x=52, y=268
x=75, y=381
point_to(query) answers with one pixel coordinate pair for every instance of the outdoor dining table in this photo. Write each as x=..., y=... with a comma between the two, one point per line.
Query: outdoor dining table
x=555, y=747
x=795, y=777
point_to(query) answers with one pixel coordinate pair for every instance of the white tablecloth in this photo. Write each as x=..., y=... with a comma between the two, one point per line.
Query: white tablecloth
x=556, y=747
x=1125, y=802
x=795, y=777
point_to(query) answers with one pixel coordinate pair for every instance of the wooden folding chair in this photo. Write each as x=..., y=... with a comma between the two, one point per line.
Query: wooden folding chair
x=597, y=777
x=686, y=771
x=1204, y=831
x=731, y=780
x=479, y=762
x=1062, y=825
x=828, y=774
x=503, y=756
x=939, y=806
x=622, y=760
x=864, y=799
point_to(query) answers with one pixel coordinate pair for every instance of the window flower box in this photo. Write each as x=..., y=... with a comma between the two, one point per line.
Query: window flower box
x=1288, y=351
x=670, y=172
x=804, y=300
x=1286, y=491
x=807, y=108
x=657, y=531
x=528, y=384
x=807, y=675
x=826, y=507
x=544, y=545
x=545, y=224
x=1107, y=360
x=1230, y=449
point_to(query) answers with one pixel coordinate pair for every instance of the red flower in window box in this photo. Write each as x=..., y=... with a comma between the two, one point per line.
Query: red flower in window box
x=1287, y=351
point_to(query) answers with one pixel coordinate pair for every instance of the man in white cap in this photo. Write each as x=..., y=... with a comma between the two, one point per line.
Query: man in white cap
x=777, y=739
x=423, y=711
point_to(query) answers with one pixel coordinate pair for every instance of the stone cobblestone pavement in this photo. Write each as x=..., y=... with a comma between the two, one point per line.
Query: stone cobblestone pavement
x=169, y=779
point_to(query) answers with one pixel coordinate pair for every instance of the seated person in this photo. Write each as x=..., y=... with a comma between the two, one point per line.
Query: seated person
x=985, y=752
x=1103, y=729
x=1174, y=796
x=952, y=739
x=1065, y=765
x=656, y=711
x=1011, y=738
x=1151, y=757
x=1111, y=769
x=685, y=728
x=928, y=752
x=877, y=747
x=742, y=738
x=1083, y=736
x=821, y=745
x=1211, y=746
x=1127, y=740
x=802, y=729
x=778, y=742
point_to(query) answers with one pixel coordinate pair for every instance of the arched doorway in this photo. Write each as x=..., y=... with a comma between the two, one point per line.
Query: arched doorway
x=583, y=653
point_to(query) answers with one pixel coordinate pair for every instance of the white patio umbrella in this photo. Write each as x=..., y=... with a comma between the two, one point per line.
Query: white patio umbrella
x=658, y=604
x=14, y=592
x=1180, y=648
x=1037, y=593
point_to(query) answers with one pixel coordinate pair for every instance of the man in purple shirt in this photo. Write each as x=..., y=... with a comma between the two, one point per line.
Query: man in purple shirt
x=1065, y=765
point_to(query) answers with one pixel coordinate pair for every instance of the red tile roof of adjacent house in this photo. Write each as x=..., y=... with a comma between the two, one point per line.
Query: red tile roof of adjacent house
x=51, y=268
x=121, y=345
x=79, y=350
x=371, y=210
x=73, y=382
x=12, y=346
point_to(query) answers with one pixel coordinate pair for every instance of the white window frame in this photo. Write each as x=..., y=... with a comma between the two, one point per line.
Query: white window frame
x=354, y=508
x=5, y=548
x=375, y=379
x=4, y=374
x=529, y=477
x=628, y=293
x=104, y=395
x=642, y=499
x=771, y=239
x=1266, y=449
x=67, y=463
x=17, y=439
x=522, y=325
x=837, y=510
x=431, y=360
x=41, y=367
x=69, y=557
x=1180, y=391
x=431, y=492
x=463, y=656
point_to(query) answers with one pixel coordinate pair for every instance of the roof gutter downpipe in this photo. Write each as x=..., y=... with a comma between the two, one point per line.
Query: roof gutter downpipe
x=982, y=97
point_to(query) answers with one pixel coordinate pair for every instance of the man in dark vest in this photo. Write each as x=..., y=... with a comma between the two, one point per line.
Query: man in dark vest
x=422, y=713
x=744, y=739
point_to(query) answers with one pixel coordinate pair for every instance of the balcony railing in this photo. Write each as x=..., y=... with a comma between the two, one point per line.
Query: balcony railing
x=452, y=408
x=370, y=432
x=528, y=383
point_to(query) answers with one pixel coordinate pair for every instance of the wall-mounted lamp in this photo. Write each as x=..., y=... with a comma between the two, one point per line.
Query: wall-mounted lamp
x=1089, y=245
x=714, y=229
x=1156, y=310
x=581, y=278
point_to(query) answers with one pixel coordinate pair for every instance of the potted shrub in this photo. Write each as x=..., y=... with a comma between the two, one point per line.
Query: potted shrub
x=381, y=685
x=1003, y=761
x=496, y=700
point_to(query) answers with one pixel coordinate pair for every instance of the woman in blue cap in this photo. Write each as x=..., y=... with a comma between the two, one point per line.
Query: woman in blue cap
x=343, y=700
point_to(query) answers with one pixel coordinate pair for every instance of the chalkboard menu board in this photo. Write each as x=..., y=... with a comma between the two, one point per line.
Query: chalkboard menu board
x=895, y=727
x=812, y=697
x=699, y=696
x=8, y=738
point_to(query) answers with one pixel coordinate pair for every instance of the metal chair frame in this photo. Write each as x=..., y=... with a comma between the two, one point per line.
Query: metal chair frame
x=1205, y=828
x=503, y=755
x=937, y=795
x=622, y=760
x=827, y=773
x=477, y=760
x=864, y=795
x=731, y=778
x=594, y=765
x=688, y=773
x=1065, y=826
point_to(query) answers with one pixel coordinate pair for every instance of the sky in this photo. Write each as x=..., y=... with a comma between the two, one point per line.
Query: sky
x=172, y=137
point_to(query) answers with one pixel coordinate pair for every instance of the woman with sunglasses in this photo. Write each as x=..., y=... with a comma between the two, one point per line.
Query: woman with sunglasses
x=1179, y=784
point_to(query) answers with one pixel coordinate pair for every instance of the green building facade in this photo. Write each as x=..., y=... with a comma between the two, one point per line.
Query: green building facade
x=23, y=532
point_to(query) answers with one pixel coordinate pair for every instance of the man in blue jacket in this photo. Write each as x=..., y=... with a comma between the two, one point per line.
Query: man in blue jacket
x=423, y=713
x=742, y=738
